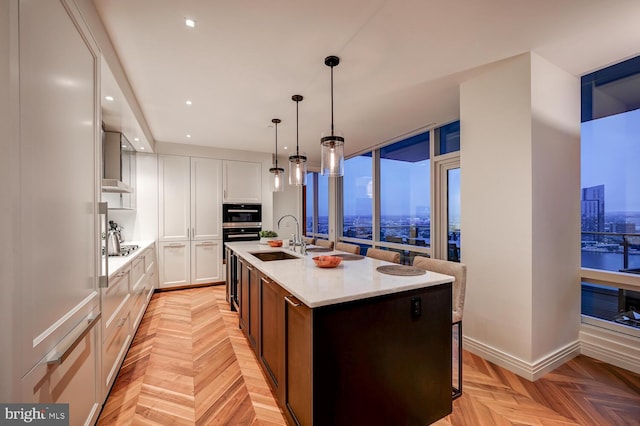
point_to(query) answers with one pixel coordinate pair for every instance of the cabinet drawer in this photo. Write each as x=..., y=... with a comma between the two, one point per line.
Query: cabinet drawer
x=139, y=302
x=114, y=349
x=149, y=259
x=73, y=380
x=137, y=270
x=115, y=297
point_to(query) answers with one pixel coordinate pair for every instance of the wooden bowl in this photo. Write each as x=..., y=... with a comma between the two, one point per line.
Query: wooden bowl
x=275, y=243
x=327, y=261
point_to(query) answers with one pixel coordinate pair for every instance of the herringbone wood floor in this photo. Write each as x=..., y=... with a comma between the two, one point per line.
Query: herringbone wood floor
x=190, y=364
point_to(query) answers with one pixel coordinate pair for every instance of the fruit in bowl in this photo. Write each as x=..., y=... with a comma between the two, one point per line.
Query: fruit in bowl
x=327, y=261
x=275, y=243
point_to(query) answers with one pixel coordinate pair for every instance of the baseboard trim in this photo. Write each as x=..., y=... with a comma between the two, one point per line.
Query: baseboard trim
x=530, y=371
x=609, y=346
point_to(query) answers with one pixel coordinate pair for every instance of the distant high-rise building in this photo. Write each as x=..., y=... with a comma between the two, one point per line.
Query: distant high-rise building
x=625, y=228
x=592, y=206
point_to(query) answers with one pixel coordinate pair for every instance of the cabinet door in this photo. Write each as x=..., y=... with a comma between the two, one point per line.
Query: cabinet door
x=70, y=381
x=173, y=198
x=174, y=264
x=243, y=294
x=206, y=199
x=253, y=333
x=242, y=182
x=298, y=362
x=206, y=261
x=58, y=132
x=271, y=348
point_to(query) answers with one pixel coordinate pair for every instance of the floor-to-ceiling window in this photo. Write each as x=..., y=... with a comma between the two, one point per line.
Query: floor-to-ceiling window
x=357, y=190
x=610, y=195
x=405, y=194
x=317, y=205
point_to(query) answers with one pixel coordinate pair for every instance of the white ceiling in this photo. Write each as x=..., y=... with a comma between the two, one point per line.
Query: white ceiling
x=401, y=61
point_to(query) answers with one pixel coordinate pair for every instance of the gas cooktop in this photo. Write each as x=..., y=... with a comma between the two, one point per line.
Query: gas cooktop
x=126, y=250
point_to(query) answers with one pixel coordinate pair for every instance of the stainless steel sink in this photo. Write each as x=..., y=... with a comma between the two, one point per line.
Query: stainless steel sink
x=268, y=256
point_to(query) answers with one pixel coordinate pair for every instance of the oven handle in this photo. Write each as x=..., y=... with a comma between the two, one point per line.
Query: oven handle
x=241, y=235
x=242, y=211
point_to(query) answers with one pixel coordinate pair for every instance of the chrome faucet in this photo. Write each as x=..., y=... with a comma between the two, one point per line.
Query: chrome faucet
x=297, y=241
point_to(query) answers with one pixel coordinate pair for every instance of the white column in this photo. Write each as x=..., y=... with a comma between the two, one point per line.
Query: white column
x=520, y=218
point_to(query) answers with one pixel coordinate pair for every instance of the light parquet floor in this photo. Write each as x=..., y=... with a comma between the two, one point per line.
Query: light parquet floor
x=190, y=364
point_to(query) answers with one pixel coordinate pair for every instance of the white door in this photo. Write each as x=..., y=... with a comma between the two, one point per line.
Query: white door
x=242, y=182
x=174, y=264
x=174, y=198
x=206, y=199
x=206, y=261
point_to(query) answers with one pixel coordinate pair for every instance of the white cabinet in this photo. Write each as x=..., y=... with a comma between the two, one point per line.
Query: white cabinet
x=205, y=261
x=174, y=198
x=174, y=264
x=116, y=330
x=190, y=217
x=189, y=198
x=57, y=238
x=242, y=182
x=206, y=205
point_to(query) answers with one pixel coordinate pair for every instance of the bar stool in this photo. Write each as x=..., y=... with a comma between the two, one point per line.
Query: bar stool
x=349, y=248
x=459, y=271
x=325, y=243
x=389, y=256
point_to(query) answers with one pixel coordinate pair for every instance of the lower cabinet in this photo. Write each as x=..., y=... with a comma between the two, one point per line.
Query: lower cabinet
x=184, y=263
x=249, y=302
x=68, y=374
x=271, y=344
x=298, y=361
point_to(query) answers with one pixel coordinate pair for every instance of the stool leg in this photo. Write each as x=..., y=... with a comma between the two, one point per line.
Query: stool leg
x=457, y=392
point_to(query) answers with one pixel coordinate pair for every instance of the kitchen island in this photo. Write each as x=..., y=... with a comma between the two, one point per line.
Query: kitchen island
x=346, y=345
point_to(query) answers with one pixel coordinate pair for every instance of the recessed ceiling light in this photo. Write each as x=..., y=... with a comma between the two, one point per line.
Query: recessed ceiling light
x=109, y=98
x=136, y=139
x=188, y=136
x=142, y=147
x=189, y=103
x=124, y=146
x=189, y=22
x=285, y=147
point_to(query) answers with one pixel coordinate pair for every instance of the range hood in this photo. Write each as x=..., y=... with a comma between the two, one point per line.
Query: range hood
x=117, y=153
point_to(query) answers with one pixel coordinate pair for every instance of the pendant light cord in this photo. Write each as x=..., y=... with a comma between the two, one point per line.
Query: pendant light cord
x=332, y=100
x=297, y=131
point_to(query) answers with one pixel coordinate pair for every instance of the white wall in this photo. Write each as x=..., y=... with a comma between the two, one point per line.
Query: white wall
x=520, y=212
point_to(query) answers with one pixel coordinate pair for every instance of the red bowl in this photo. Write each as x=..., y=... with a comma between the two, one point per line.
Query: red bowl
x=327, y=261
x=275, y=243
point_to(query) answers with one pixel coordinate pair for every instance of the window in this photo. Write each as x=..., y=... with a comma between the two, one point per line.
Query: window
x=357, y=188
x=610, y=200
x=448, y=137
x=317, y=205
x=310, y=205
x=405, y=192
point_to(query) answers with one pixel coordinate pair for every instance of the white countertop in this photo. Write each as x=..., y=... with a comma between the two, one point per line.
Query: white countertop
x=351, y=280
x=116, y=263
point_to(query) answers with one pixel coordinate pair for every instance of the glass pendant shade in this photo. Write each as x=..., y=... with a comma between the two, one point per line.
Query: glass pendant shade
x=332, y=152
x=278, y=179
x=298, y=170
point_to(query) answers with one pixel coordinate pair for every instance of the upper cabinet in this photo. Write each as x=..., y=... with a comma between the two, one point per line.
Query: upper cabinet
x=189, y=198
x=242, y=182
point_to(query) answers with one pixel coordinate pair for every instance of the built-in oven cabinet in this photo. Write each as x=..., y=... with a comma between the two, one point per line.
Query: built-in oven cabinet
x=242, y=182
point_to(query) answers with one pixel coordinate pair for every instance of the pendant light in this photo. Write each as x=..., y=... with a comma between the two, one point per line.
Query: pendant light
x=297, y=163
x=278, y=172
x=333, y=143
